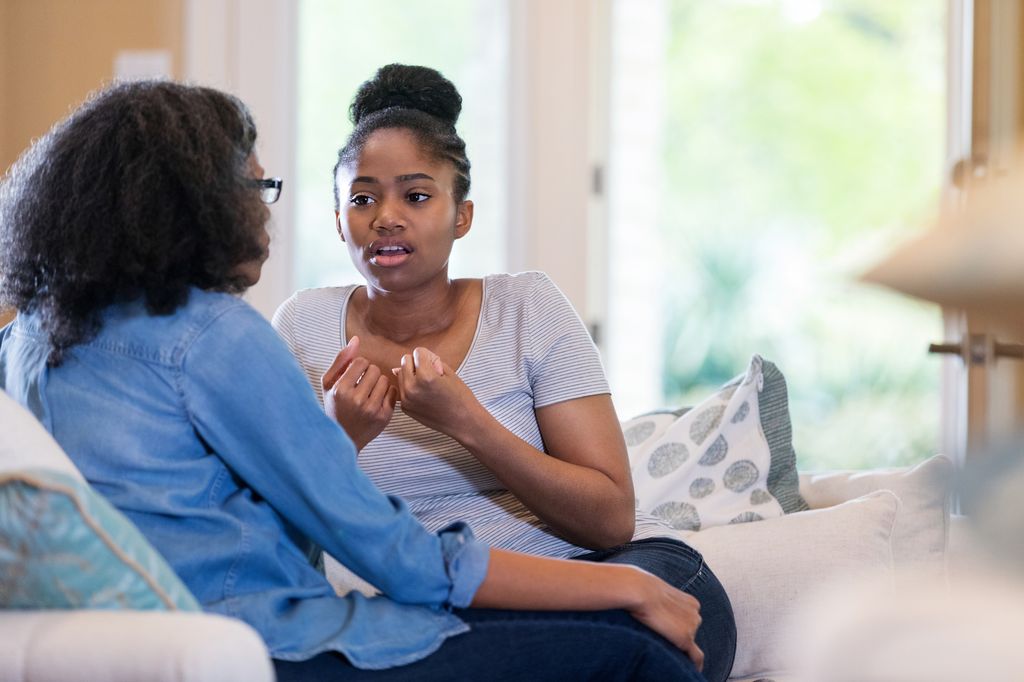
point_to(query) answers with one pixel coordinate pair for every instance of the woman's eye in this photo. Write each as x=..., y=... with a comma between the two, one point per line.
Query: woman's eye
x=418, y=197
x=360, y=200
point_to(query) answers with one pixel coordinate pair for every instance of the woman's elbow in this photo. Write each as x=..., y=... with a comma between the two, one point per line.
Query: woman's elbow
x=624, y=528
x=615, y=528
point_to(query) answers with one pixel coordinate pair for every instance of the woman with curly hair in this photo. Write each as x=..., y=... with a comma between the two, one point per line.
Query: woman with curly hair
x=124, y=235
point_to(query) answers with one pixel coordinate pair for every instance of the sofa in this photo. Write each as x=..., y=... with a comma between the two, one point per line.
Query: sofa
x=85, y=597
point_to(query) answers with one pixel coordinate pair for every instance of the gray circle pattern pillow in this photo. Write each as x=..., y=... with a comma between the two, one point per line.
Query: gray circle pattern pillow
x=716, y=464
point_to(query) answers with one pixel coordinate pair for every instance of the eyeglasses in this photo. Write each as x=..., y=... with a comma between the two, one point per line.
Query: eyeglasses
x=270, y=189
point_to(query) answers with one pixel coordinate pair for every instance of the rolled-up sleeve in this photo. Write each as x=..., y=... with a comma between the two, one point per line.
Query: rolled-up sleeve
x=466, y=561
x=249, y=401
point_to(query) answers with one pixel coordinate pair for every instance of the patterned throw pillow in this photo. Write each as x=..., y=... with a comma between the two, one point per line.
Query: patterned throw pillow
x=63, y=546
x=729, y=459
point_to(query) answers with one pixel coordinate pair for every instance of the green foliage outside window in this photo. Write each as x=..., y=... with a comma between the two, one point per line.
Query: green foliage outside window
x=798, y=151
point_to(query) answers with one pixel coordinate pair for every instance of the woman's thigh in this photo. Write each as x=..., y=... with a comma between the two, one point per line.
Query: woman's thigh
x=682, y=566
x=526, y=645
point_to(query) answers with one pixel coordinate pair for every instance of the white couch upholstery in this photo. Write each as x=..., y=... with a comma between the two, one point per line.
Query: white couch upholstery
x=887, y=527
x=144, y=646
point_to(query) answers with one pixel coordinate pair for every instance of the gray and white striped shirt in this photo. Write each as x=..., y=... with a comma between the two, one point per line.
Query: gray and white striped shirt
x=530, y=350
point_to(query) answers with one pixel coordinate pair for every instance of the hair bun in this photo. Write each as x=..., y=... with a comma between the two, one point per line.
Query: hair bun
x=409, y=87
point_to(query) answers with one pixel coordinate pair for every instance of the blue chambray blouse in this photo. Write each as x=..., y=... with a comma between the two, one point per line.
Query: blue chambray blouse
x=201, y=428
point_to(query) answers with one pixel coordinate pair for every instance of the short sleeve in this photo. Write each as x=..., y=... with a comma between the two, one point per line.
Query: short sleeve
x=564, y=362
x=284, y=323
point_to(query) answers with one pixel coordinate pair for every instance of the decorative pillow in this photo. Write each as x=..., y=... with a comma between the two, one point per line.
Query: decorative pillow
x=62, y=545
x=922, y=534
x=768, y=568
x=728, y=460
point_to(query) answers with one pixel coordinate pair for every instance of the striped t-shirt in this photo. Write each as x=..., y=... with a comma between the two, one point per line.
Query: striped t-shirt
x=530, y=349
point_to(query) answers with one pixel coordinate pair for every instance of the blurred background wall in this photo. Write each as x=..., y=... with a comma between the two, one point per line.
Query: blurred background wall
x=54, y=52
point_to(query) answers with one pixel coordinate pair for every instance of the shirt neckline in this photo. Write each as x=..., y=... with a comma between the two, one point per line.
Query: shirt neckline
x=484, y=298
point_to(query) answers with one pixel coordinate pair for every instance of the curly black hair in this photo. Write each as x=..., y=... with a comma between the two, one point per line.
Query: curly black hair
x=414, y=98
x=141, y=193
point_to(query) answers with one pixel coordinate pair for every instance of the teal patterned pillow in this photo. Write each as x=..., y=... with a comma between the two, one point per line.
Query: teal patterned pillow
x=729, y=459
x=63, y=546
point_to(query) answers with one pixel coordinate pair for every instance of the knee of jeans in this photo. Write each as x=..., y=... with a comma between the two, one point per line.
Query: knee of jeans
x=658, y=659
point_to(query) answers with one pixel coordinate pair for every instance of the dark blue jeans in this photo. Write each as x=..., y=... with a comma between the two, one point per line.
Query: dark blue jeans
x=566, y=645
x=680, y=565
x=525, y=646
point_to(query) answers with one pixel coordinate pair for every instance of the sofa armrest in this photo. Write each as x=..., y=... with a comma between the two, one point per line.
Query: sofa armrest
x=142, y=646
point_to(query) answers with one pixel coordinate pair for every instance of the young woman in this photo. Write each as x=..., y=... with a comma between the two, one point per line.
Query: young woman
x=123, y=235
x=475, y=399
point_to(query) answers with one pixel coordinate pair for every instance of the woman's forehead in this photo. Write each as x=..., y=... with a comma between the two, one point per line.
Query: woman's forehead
x=394, y=152
x=387, y=143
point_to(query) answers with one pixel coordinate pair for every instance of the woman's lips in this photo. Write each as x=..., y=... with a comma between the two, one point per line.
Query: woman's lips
x=389, y=253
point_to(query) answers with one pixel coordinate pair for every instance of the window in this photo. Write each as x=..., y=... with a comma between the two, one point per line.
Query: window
x=763, y=153
x=340, y=44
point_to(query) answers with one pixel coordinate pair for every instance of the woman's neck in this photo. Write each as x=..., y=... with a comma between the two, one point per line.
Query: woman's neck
x=402, y=316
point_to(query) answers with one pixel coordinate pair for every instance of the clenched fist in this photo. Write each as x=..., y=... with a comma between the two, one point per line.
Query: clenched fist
x=358, y=395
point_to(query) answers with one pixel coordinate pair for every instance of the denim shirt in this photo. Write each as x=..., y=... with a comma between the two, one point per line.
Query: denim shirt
x=201, y=428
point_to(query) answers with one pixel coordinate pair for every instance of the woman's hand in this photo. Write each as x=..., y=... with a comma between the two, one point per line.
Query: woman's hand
x=433, y=394
x=358, y=395
x=673, y=614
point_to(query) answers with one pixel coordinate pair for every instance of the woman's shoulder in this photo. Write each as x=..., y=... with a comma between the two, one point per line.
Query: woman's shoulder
x=322, y=295
x=204, y=308
x=130, y=328
x=316, y=302
x=524, y=284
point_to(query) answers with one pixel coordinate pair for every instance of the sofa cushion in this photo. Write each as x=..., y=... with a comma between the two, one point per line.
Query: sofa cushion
x=62, y=545
x=727, y=460
x=130, y=646
x=922, y=529
x=769, y=568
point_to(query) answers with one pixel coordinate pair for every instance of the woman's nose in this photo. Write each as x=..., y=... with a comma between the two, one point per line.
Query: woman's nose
x=389, y=217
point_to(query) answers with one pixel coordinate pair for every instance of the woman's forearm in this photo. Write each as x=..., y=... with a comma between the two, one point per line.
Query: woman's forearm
x=524, y=582
x=527, y=582
x=583, y=489
x=582, y=504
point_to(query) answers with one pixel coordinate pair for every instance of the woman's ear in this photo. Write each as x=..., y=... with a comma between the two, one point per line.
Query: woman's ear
x=463, y=218
x=337, y=224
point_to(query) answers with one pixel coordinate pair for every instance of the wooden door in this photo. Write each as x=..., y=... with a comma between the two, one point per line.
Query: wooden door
x=984, y=377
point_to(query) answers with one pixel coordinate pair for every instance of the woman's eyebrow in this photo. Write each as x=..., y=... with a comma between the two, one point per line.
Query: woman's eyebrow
x=398, y=178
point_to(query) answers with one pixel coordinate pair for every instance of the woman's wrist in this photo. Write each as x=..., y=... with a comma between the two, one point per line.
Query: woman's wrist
x=472, y=426
x=635, y=585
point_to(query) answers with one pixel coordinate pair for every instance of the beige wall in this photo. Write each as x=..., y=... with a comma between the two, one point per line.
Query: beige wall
x=3, y=85
x=54, y=52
